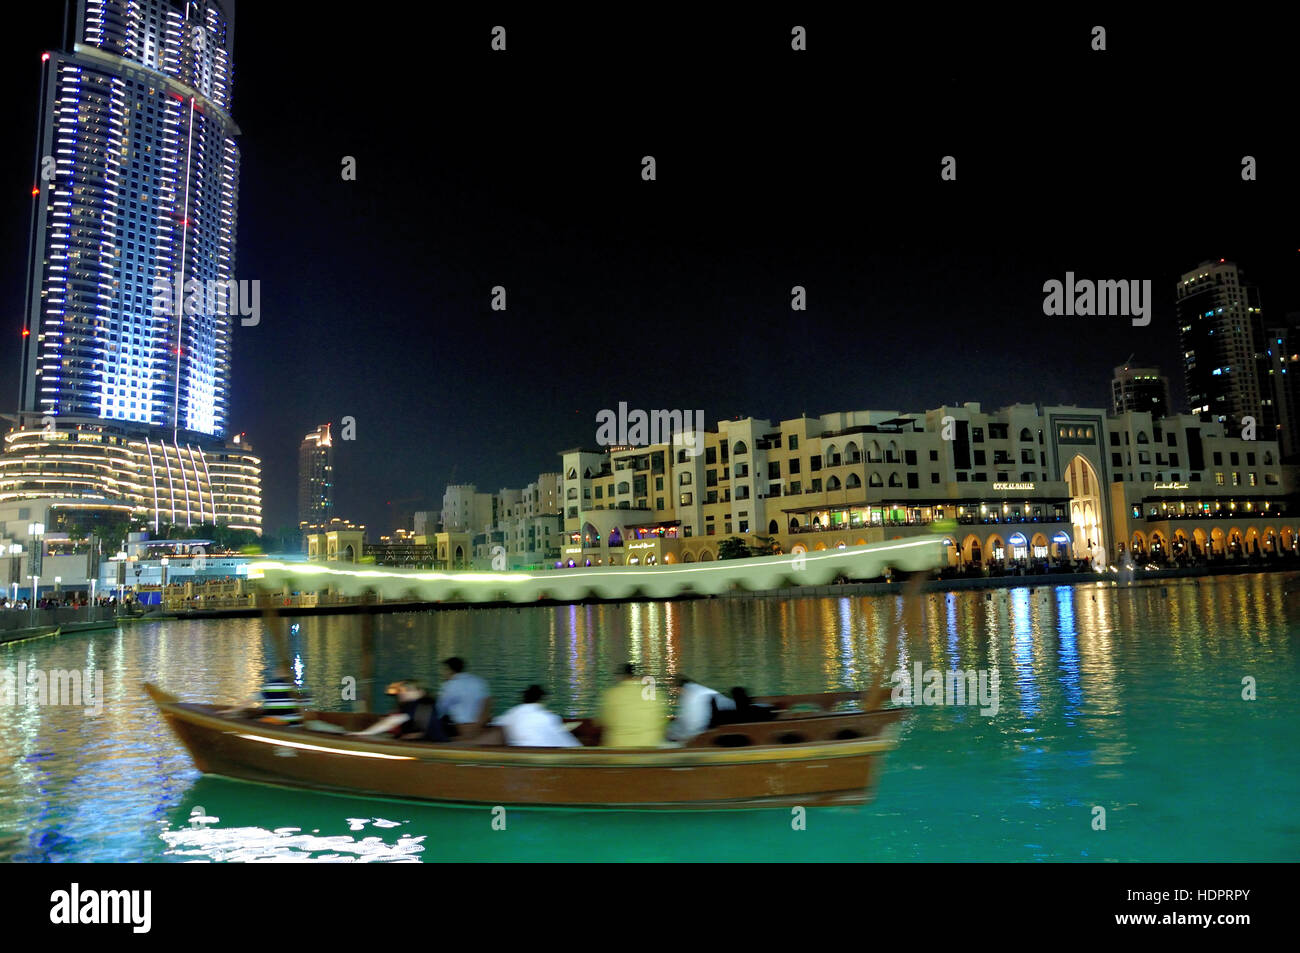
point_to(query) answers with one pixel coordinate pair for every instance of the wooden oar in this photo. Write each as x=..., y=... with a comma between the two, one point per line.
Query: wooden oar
x=875, y=697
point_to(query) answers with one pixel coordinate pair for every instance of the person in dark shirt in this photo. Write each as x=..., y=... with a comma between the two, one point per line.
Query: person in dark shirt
x=416, y=718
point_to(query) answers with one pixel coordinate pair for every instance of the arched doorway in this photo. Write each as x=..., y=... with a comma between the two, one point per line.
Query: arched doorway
x=1086, y=507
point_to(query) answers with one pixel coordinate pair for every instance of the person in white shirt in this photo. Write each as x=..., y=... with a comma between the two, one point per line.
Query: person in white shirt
x=463, y=695
x=695, y=709
x=530, y=724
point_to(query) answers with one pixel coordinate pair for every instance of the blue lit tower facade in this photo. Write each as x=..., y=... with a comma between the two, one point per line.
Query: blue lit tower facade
x=125, y=372
x=137, y=176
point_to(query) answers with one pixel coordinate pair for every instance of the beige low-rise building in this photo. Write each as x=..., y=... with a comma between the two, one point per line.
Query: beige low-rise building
x=1020, y=484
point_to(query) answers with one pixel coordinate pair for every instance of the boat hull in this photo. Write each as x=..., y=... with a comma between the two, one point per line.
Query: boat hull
x=809, y=774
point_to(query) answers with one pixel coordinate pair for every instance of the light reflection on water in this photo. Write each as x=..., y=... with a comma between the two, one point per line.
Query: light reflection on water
x=1125, y=698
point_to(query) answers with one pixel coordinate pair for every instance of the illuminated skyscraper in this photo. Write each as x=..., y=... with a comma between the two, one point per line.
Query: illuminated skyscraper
x=134, y=197
x=316, y=478
x=1225, y=350
x=126, y=361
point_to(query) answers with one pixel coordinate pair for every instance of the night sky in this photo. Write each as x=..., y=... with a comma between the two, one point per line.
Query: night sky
x=775, y=168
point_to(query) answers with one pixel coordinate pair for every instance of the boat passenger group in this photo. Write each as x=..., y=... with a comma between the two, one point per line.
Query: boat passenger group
x=631, y=713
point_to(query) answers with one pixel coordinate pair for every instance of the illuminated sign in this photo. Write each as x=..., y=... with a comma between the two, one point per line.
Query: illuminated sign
x=570, y=551
x=640, y=545
x=1016, y=539
x=1170, y=486
x=1061, y=538
x=1013, y=486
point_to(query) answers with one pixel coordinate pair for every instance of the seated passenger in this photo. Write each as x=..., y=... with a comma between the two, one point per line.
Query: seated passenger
x=531, y=725
x=416, y=718
x=743, y=711
x=631, y=715
x=463, y=698
x=695, y=709
x=279, y=702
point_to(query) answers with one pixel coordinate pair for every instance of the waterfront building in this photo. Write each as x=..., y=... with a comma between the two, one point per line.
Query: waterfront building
x=527, y=528
x=1023, y=484
x=1225, y=355
x=465, y=510
x=1139, y=388
x=158, y=480
x=339, y=540
x=316, y=478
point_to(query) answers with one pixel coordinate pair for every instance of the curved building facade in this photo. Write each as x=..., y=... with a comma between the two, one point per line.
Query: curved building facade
x=184, y=482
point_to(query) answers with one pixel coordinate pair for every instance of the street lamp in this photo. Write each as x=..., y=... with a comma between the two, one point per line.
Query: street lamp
x=36, y=531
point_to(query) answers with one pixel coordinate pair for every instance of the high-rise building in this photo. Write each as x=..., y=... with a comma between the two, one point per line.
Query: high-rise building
x=134, y=207
x=130, y=284
x=316, y=477
x=1284, y=363
x=1225, y=354
x=1139, y=388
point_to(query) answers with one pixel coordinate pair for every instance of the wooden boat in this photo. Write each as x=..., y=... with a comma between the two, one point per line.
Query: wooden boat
x=799, y=758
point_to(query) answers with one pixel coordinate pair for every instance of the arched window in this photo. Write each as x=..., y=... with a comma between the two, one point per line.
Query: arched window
x=874, y=455
x=624, y=487
x=738, y=449
x=1142, y=438
x=684, y=479
x=773, y=526
x=573, y=493
x=895, y=480
x=1268, y=458
x=891, y=452
x=851, y=453
x=572, y=474
x=832, y=455
x=1025, y=435
x=852, y=481
x=587, y=473
x=833, y=483
x=875, y=480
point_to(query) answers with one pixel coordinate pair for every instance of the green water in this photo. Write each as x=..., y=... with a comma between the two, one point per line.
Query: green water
x=1125, y=699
